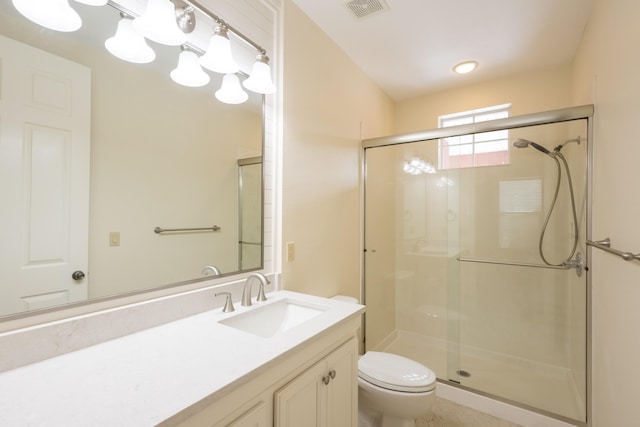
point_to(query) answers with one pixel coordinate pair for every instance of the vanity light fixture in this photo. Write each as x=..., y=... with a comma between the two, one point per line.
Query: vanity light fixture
x=465, y=67
x=260, y=79
x=231, y=92
x=128, y=45
x=53, y=14
x=166, y=22
x=218, y=57
x=189, y=72
x=159, y=24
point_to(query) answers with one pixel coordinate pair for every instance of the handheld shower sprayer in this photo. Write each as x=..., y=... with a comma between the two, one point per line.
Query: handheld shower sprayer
x=555, y=155
x=523, y=143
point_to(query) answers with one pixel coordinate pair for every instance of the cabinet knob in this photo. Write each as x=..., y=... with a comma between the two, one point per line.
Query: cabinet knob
x=327, y=378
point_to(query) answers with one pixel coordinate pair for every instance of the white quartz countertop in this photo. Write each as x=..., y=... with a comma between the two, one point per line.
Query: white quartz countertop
x=145, y=378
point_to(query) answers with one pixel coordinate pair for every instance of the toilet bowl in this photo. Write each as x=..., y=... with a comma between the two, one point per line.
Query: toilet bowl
x=392, y=390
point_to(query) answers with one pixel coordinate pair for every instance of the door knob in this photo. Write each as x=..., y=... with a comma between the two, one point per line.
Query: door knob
x=77, y=275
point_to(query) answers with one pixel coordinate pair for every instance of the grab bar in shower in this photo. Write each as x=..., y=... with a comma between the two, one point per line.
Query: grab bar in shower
x=159, y=230
x=605, y=245
x=516, y=264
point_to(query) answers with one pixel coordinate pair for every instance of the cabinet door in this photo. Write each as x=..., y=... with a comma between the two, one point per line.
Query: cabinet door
x=255, y=417
x=300, y=403
x=325, y=395
x=342, y=390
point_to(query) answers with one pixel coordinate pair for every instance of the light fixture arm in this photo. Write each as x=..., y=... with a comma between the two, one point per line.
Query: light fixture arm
x=229, y=27
x=185, y=16
x=185, y=10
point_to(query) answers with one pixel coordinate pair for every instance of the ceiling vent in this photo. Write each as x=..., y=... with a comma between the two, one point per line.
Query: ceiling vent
x=364, y=8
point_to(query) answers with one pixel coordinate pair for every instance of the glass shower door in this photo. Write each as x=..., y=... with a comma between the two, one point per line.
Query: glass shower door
x=522, y=304
x=456, y=273
x=249, y=213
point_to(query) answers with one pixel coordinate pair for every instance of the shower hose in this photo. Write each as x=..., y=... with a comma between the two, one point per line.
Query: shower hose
x=557, y=154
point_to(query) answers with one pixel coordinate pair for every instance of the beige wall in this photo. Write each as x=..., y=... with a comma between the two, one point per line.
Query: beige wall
x=329, y=105
x=528, y=93
x=606, y=73
x=167, y=164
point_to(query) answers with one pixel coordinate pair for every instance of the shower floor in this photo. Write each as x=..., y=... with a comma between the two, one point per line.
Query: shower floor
x=541, y=386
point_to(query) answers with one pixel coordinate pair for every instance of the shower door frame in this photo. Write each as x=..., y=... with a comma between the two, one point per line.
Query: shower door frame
x=548, y=117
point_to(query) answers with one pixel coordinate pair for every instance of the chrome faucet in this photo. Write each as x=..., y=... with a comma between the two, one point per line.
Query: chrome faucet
x=210, y=269
x=246, y=293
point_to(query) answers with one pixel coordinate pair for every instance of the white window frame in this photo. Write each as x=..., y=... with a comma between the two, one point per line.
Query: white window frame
x=474, y=150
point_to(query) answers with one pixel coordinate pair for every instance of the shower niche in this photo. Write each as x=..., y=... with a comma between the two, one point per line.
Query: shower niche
x=475, y=256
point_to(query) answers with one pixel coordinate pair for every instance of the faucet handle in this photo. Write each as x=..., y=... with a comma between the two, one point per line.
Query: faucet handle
x=228, y=304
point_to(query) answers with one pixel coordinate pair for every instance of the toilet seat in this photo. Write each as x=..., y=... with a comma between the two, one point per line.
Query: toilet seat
x=395, y=372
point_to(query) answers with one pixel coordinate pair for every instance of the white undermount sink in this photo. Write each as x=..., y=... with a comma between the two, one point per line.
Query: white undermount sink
x=272, y=318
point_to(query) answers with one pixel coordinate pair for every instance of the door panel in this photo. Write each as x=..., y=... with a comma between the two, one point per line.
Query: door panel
x=44, y=177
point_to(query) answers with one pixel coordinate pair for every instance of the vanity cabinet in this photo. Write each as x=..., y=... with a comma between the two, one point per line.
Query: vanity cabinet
x=325, y=395
x=314, y=385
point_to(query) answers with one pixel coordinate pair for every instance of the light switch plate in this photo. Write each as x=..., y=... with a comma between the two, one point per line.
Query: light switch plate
x=114, y=238
x=291, y=251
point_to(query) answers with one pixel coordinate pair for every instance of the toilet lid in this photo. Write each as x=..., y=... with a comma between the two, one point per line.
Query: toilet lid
x=395, y=372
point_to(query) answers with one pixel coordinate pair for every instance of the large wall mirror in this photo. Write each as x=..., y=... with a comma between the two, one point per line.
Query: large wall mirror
x=81, y=211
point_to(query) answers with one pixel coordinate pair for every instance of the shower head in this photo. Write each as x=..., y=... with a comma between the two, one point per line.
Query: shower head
x=524, y=143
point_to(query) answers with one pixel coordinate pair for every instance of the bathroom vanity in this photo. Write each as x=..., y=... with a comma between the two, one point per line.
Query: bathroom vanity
x=289, y=361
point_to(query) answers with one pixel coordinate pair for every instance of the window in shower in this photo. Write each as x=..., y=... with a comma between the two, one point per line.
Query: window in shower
x=473, y=150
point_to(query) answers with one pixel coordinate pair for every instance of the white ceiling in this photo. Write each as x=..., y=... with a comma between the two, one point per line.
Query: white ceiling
x=410, y=48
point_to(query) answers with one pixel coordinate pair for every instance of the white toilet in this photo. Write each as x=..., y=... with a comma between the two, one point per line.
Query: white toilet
x=392, y=390
x=397, y=389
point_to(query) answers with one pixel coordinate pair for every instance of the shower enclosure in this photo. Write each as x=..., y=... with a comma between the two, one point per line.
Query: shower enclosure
x=475, y=259
x=249, y=213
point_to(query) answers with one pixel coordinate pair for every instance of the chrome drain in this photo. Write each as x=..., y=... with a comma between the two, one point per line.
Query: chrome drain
x=463, y=373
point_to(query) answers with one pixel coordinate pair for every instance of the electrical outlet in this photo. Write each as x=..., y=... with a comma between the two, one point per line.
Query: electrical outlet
x=291, y=251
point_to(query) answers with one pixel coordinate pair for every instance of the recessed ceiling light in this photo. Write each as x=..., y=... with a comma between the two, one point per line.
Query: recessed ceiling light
x=465, y=67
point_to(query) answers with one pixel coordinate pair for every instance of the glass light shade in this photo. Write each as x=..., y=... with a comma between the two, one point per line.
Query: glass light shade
x=158, y=23
x=260, y=79
x=128, y=45
x=189, y=72
x=93, y=2
x=218, y=57
x=53, y=14
x=231, y=92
